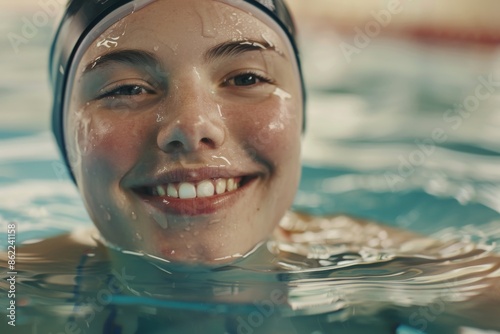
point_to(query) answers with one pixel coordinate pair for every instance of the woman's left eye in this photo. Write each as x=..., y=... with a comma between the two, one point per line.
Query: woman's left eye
x=247, y=79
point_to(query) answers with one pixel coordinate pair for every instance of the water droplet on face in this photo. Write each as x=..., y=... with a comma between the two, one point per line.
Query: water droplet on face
x=267, y=39
x=227, y=162
x=133, y=215
x=187, y=229
x=282, y=94
x=138, y=236
x=111, y=42
x=156, y=48
x=219, y=108
x=197, y=73
x=159, y=118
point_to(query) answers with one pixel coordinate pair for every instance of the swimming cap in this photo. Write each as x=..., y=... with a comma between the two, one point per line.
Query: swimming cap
x=85, y=20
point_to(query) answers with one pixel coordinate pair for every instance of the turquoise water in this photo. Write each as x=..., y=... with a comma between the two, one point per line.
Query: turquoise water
x=346, y=284
x=369, y=153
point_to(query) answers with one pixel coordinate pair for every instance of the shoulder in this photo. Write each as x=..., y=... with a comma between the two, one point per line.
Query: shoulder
x=63, y=249
x=300, y=227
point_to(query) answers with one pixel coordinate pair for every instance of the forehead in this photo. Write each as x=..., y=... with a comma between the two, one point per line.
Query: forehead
x=183, y=26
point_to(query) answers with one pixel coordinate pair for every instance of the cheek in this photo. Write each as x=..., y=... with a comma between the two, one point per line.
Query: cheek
x=273, y=129
x=271, y=132
x=103, y=148
x=114, y=148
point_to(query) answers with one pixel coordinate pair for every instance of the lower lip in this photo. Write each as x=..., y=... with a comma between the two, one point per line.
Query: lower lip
x=196, y=206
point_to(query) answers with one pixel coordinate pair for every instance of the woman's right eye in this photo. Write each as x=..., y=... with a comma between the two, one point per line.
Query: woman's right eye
x=125, y=91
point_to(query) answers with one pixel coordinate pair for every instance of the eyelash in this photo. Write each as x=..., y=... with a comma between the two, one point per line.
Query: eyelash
x=259, y=77
x=113, y=92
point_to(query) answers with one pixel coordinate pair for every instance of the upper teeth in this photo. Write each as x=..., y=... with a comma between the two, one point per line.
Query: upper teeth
x=205, y=188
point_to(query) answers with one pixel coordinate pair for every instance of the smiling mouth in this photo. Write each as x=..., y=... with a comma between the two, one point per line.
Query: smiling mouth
x=195, y=198
x=202, y=189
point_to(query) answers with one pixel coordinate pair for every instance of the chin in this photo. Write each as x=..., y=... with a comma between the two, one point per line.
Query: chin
x=209, y=242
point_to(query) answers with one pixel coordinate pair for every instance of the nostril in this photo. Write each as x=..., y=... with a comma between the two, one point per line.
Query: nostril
x=206, y=140
x=176, y=144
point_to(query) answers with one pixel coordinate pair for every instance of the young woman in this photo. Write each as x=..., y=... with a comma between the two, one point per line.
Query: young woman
x=181, y=124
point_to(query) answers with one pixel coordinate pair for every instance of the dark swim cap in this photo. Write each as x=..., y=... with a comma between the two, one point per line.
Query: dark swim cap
x=87, y=19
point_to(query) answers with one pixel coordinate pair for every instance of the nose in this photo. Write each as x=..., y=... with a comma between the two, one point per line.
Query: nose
x=192, y=122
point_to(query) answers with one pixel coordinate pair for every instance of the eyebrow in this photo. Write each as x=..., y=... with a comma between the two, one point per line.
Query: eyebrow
x=231, y=49
x=130, y=57
x=140, y=57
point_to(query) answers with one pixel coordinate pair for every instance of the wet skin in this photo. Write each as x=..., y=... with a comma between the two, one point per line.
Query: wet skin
x=186, y=91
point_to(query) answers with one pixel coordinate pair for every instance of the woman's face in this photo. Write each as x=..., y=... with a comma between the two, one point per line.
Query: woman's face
x=183, y=131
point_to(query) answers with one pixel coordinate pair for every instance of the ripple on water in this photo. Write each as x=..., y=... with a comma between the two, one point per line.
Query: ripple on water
x=308, y=276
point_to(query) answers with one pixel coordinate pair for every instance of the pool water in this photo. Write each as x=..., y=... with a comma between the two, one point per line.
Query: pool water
x=341, y=277
x=429, y=263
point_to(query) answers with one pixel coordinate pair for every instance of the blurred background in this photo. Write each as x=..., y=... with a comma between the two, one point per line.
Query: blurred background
x=403, y=112
x=460, y=35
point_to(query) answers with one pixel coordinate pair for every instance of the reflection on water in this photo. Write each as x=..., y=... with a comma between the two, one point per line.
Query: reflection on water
x=336, y=274
x=368, y=153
